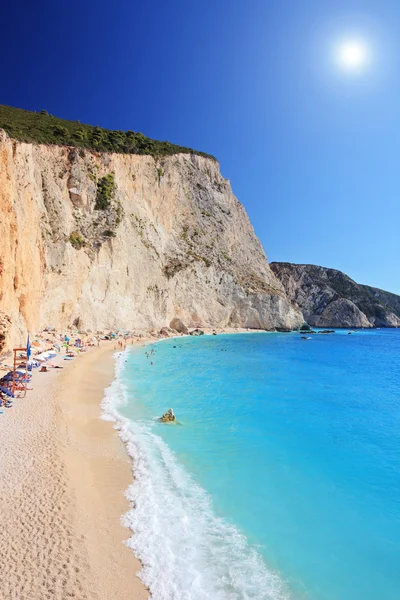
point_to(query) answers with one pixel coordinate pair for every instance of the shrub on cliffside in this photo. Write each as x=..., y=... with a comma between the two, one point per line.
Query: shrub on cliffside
x=76, y=240
x=105, y=191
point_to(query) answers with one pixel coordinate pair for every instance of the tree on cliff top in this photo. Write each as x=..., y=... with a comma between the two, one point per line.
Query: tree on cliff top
x=43, y=128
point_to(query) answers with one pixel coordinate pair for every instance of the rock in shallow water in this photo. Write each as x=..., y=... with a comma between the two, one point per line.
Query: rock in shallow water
x=168, y=417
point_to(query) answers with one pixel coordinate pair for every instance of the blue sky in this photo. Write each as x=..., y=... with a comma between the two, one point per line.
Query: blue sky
x=312, y=152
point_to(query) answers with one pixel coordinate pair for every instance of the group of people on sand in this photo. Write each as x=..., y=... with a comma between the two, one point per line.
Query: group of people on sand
x=47, y=345
x=41, y=351
x=120, y=345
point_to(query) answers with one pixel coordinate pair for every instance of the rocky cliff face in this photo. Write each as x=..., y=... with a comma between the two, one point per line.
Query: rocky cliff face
x=328, y=298
x=112, y=240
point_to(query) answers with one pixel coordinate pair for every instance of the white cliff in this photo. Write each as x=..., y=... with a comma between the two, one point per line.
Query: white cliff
x=171, y=240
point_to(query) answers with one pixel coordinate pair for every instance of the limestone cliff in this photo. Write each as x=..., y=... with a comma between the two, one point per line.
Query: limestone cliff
x=106, y=240
x=329, y=298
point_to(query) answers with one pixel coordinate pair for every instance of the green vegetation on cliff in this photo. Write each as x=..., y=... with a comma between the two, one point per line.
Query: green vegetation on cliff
x=105, y=190
x=42, y=128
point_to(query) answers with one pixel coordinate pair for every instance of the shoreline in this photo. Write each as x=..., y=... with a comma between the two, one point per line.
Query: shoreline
x=170, y=508
x=101, y=471
x=64, y=473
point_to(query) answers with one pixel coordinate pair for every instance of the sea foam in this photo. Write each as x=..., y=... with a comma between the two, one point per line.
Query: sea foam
x=187, y=551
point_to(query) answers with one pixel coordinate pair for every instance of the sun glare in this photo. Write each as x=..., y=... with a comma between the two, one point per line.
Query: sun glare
x=352, y=55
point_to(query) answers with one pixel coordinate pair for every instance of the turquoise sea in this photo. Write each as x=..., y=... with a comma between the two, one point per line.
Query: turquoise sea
x=281, y=478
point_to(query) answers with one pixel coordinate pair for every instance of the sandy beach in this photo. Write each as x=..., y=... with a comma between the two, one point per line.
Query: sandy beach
x=64, y=472
x=63, y=476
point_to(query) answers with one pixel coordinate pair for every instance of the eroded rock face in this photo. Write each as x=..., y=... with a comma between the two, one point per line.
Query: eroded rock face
x=5, y=326
x=177, y=325
x=164, y=245
x=342, y=313
x=329, y=298
x=166, y=332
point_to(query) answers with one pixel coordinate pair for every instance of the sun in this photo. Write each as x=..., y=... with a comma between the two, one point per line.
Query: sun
x=352, y=55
